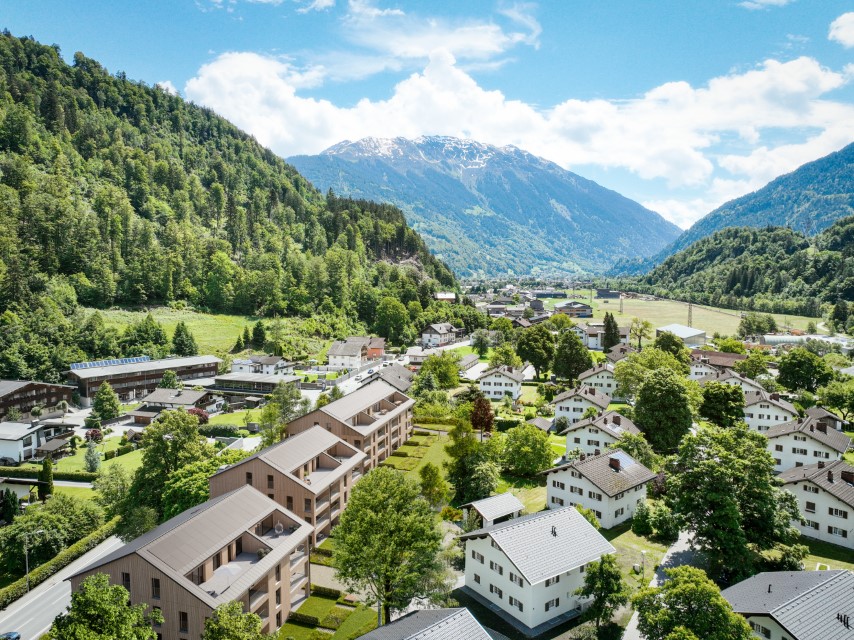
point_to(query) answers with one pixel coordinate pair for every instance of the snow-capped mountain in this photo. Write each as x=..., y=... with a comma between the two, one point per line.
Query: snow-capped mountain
x=490, y=210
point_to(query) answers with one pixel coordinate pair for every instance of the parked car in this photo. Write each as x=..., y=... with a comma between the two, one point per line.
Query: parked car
x=370, y=371
x=11, y=635
x=359, y=378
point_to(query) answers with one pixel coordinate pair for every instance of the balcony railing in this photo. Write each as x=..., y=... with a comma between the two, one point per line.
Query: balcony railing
x=256, y=599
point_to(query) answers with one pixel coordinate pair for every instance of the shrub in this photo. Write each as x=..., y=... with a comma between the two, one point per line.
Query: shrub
x=451, y=514
x=220, y=430
x=665, y=523
x=325, y=592
x=505, y=424
x=334, y=618
x=124, y=449
x=400, y=454
x=94, y=435
x=641, y=520
x=201, y=414
x=303, y=619
x=74, y=476
x=419, y=432
x=109, y=455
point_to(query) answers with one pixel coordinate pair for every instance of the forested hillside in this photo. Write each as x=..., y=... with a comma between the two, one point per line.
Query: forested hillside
x=774, y=269
x=113, y=192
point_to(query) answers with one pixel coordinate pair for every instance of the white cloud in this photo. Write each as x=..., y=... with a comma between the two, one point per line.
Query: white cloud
x=842, y=30
x=705, y=141
x=763, y=4
x=317, y=5
x=167, y=86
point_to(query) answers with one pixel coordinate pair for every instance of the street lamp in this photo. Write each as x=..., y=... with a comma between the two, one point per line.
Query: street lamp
x=643, y=566
x=27, y=553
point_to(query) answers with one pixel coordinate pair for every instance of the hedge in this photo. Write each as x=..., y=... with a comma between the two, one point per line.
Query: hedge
x=303, y=619
x=325, y=592
x=431, y=420
x=399, y=454
x=503, y=424
x=72, y=476
x=17, y=589
x=220, y=430
x=321, y=552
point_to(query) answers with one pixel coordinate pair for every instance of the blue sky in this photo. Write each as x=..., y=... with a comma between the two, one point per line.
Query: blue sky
x=679, y=105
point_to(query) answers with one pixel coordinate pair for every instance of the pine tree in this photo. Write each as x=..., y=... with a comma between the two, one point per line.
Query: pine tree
x=46, y=476
x=259, y=335
x=92, y=459
x=239, y=345
x=105, y=404
x=612, y=333
x=247, y=336
x=183, y=342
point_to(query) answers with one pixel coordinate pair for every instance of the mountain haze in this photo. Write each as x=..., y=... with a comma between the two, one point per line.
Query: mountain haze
x=487, y=210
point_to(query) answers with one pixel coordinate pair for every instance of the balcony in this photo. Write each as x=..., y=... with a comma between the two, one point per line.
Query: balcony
x=298, y=555
x=257, y=597
x=297, y=581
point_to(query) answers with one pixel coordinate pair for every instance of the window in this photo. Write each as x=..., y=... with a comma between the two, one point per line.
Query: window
x=836, y=531
x=558, y=485
x=810, y=489
x=800, y=438
x=496, y=591
x=278, y=596
x=552, y=581
x=493, y=544
x=477, y=578
x=577, y=440
x=278, y=573
x=593, y=443
x=778, y=447
x=269, y=482
x=183, y=622
x=838, y=513
x=248, y=477
x=798, y=451
x=514, y=603
x=810, y=507
x=307, y=504
x=126, y=581
x=155, y=588
x=278, y=618
x=557, y=501
x=517, y=580
x=477, y=556
x=496, y=567
x=289, y=503
x=619, y=512
x=594, y=496
x=217, y=560
x=575, y=474
x=577, y=490
x=811, y=524
x=759, y=629
x=821, y=454
x=555, y=602
x=357, y=444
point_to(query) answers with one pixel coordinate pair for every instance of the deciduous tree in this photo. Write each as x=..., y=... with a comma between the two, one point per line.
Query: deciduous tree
x=840, y=396
x=802, y=369
x=482, y=418
x=662, y=410
x=723, y=404
x=480, y=343
x=640, y=330
x=755, y=365
x=604, y=585
x=434, y=487
x=571, y=356
x=445, y=367
x=528, y=450
x=504, y=356
x=229, y=622
x=169, y=380
x=630, y=372
x=536, y=345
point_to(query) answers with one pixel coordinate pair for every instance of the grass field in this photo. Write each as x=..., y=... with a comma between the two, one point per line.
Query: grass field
x=76, y=462
x=467, y=350
x=76, y=492
x=662, y=312
x=835, y=557
x=235, y=417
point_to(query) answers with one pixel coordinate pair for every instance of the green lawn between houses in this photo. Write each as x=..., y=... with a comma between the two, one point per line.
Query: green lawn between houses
x=359, y=620
x=130, y=461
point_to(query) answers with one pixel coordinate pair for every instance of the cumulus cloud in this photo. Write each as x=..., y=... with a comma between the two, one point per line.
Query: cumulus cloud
x=167, y=86
x=763, y=4
x=842, y=30
x=317, y=5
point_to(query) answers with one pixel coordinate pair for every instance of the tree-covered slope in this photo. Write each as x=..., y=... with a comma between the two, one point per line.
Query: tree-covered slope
x=772, y=269
x=490, y=211
x=113, y=192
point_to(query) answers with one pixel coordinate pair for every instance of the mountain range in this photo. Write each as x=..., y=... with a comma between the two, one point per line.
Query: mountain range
x=489, y=211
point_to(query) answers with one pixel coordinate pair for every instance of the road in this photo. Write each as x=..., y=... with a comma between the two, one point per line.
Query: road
x=32, y=615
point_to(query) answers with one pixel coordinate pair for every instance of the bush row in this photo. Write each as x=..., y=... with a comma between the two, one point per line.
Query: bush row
x=321, y=552
x=433, y=420
x=220, y=430
x=503, y=424
x=325, y=592
x=73, y=476
x=115, y=453
x=65, y=557
x=303, y=619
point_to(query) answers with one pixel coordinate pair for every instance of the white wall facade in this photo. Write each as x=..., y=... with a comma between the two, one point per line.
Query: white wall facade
x=499, y=588
x=825, y=517
x=744, y=383
x=347, y=362
x=604, y=381
x=567, y=488
x=573, y=408
x=589, y=439
x=766, y=627
x=760, y=416
x=701, y=370
x=430, y=339
x=496, y=385
x=798, y=450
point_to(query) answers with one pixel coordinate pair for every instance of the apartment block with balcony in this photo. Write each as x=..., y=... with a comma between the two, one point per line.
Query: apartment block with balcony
x=23, y=395
x=311, y=474
x=376, y=419
x=240, y=546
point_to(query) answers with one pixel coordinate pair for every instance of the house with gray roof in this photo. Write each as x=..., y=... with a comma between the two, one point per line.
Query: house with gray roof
x=434, y=624
x=763, y=410
x=805, y=441
x=573, y=403
x=267, y=365
x=498, y=382
x=592, y=435
x=310, y=473
x=820, y=413
x=543, y=424
x=796, y=605
x=691, y=336
x=397, y=376
x=20, y=440
x=612, y=484
x=619, y=351
x=237, y=547
x=825, y=494
x=527, y=569
x=348, y=354
x=495, y=509
x=439, y=334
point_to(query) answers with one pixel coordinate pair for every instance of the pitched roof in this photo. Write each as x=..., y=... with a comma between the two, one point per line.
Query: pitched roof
x=139, y=367
x=346, y=348
x=10, y=386
x=522, y=322
x=397, y=376
x=266, y=360
x=344, y=409
x=821, y=412
x=180, y=544
x=729, y=374
x=619, y=351
x=541, y=423
x=717, y=358
x=590, y=394
x=804, y=603
x=599, y=368
x=611, y=480
x=16, y=430
x=611, y=422
x=507, y=372
x=681, y=331
x=184, y=397
x=543, y=545
x=837, y=478
x=497, y=506
x=813, y=428
x=760, y=395
x=432, y=624
x=439, y=327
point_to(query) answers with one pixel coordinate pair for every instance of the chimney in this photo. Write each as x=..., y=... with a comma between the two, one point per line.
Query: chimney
x=554, y=531
x=830, y=476
x=812, y=427
x=821, y=464
x=618, y=419
x=775, y=396
x=614, y=463
x=847, y=476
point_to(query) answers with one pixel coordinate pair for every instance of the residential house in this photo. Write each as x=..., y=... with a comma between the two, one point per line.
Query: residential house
x=592, y=335
x=19, y=440
x=376, y=348
x=266, y=365
x=23, y=488
x=796, y=605
x=137, y=377
x=23, y=395
x=593, y=435
x=249, y=388
x=763, y=410
x=439, y=334
x=820, y=413
x=498, y=382
x=445, y=296
x=468, y=361
x=417, y=355
x=521, y=323
x=690, y=336
x=702, y=369
x=376, y=419
x=825, y=493
x=720, y=360
x=601, y=377
x=237, y=547
x=612, y=484
x=348, y=354
x=310, y=473
x=161, y=400
x=574, y=309
x=536, y=305
x=397, y=376
x=573, y=403
x=619, y=351
x=730, y=376
x=495, y=509
x=434, y=624
x=530, y=567
x=804, y=441
x=549, y=293
x=543, y=424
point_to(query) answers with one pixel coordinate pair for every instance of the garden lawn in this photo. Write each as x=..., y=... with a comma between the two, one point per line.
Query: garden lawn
x=435, y=454
x=130, y=461
x=358, y=623
x=76, y=492
x=530, y=491
x=317, y=606
x=467, y=350
x=529, y=394
x=76, y=462
x=235, y=417
x=558, y=443
x=834, y=556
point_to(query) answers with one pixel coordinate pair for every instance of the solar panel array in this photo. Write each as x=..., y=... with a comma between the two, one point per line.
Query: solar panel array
x=107, y=363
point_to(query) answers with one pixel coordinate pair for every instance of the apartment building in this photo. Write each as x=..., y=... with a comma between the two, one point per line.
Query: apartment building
x=376, y=419
x=825, y=493
x=573, y=403
x=612, y=484
x=240, y=546
x=763, y=410
x=702, y=369
x=530, y=567
x=23, y=395
x=501, y=381
x=439, y=334
x=310, y=474
x=730, y=376
x=593, y=435
x=804, y=441
x=601, y=377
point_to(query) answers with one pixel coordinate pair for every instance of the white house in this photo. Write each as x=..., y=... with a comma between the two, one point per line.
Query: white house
x=438, y=334
x=266, y=365
x=689, y=335
x=796, y=605
x=804, y=441
x=730, y=376
x=19, y=440
x=501, y=381
x=612, y=484
x=573, y=403
x=702, y=369
x=496, y=509
x=432, y=624
x=593, y=435
x=348, y=354
x=763, y=410
x=825, y=494
x=601, y=377
x=592, y=334
x=530, y=567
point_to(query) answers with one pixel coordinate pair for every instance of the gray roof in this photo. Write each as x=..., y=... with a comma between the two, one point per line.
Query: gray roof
x=754, y=397
x=841, y=489
x=821, y=412
x=619, y=351
x=293, y=452
x=468, y=361
x=179, y=545
x=729, y=374
x=363, y=399
x=439, y=327
x=185, y=397
x=497, y=506
x=139, y=367
x=804, y=603
x=681, y=331
x=432, y=624
x=544, y=424
x=611, y=422
x=16, y=430
x=809, y=427
x=599, y=368
x=346, y=348
x=10, y=386
x=590, y=394
x=717, y=358
x=239, y=376
x=397, y=376
x=266, y=360
x=598, y=470
x=545, y=544
x=507, y=372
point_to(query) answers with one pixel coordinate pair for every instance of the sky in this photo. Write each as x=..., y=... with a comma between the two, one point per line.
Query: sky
x=680, y=105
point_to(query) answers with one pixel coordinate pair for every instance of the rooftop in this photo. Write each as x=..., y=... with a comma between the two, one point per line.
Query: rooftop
x=507, y=372
x=497, y=506
x=271, y=378
x=613, y=471
x=717, y=358
x=432, y=624
x=599, y=368
x=397, y=376
x=184, y=397
x=10, y=386
x=16, y=430
x=611, y=422
x=140, y=367
x=367, y=400
x=590, y=394
x=760, y=395
x=837, y=478
x=816, y=429
x=681, y=331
